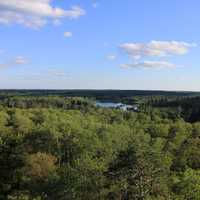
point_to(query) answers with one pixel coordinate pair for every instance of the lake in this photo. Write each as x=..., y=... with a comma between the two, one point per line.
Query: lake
x=121, y=106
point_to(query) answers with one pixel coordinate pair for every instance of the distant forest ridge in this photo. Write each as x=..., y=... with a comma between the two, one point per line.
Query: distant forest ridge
x=98, y=94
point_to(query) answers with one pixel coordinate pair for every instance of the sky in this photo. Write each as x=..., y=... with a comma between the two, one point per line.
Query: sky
x=100, y=44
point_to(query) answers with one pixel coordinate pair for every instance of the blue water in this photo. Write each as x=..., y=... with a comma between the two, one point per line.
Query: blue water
x=115, y=105
x=108, y=104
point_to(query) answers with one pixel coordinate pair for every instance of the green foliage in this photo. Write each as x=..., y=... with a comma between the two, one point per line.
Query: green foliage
x=187, y=185
x=66, y=148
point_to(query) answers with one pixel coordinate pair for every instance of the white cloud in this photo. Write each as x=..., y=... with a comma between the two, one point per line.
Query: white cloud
x=34, y=13
x=19, y=60
x=150, y=65
x=156, y=49
x=68, y=34
x=111, y=57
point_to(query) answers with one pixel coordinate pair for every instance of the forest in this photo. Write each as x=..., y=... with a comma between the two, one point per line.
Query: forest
x=57, y=146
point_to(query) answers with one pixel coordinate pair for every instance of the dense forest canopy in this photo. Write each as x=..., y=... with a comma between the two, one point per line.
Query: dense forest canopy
x=62, y=147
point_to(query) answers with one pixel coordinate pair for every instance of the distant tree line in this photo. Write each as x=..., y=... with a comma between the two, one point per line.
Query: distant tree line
x=187, y=107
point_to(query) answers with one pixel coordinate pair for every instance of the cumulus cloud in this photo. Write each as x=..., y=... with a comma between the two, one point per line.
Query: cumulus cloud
x=68, y=34
x=35, y=13
x=150, y=65
x=19, y=60
x=156, y=49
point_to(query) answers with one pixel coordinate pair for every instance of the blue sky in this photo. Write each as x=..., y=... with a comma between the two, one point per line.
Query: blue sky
x=103, y=44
